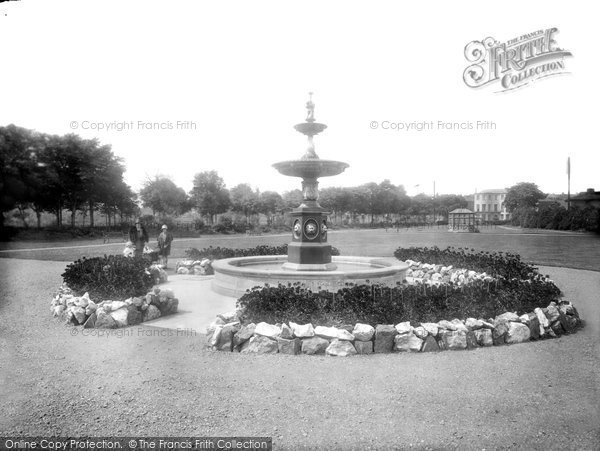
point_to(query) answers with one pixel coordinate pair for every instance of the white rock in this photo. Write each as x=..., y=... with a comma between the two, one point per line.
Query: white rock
x=552, y=313
x=445, y=324
x=326, y=332
x=302, y=330
x=487, y=325
x=459, y=325
x=508, y=316
x=120, y=316
x=183, y=270
x=340, y=348
x=214, y=335
x=404, y=327
x=431, y=328
x=166, y=293
x=267, y=330
x=229, y=316
x=82, y=301
x=79, y=313
x=517, y=333
x=152, y=312
x=420, y=332
x=115, y=305
x=344, y=335
x=57, y=310
x=363, y=332
x=407, y=342
x=286, y=332
x=542, y=318
x=474, y=323
x=524, y=319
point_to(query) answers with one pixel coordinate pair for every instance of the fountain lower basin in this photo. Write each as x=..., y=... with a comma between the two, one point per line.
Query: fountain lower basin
x=233, y=276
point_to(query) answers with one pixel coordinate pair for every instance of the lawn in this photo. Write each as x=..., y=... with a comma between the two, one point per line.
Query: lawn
x=574, y=250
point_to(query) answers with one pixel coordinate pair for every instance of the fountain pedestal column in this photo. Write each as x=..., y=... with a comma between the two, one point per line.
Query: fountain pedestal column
x=309, y=250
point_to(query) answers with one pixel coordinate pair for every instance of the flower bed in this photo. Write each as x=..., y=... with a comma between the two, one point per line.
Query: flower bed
x=430, y=291
x=81, y=310
x=127, y=281
x=482, y=301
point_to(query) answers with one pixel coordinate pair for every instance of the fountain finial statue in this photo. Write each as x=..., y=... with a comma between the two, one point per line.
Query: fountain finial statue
x=310, y=106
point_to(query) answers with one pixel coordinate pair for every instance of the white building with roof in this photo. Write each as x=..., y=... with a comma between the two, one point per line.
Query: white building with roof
x=489, y=205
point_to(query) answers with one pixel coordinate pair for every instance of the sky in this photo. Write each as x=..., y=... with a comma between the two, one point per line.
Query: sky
x=188, y=86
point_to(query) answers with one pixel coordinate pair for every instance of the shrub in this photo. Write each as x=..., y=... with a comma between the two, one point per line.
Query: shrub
x=199, y=224
x=225, y=225
x=110, y=277
x=493, y=263
x=217, y=253
x=376, y=304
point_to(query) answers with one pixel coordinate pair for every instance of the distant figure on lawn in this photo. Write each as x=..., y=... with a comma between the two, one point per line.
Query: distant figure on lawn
x=139, y=237
x=165, y=238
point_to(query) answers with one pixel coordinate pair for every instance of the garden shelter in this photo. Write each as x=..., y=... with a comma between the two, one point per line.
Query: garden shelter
x=462, y=220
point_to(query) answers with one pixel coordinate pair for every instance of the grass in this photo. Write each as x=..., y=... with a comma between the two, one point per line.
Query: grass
x=573, y=250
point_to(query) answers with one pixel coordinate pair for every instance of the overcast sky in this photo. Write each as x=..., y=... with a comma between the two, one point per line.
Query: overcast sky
x=240, y=71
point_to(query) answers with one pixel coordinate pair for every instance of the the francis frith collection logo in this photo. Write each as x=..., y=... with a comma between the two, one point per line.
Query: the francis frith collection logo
x=514, y=63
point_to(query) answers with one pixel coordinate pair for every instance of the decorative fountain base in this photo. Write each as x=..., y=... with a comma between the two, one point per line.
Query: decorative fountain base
x=233, y=276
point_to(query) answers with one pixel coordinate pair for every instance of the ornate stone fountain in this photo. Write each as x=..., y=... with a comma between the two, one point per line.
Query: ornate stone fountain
x=309, y=258
x=309, y=249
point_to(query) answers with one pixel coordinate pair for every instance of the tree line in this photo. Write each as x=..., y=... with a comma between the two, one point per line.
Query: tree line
x=531, y=208
x=51, y=173
x=210, y=197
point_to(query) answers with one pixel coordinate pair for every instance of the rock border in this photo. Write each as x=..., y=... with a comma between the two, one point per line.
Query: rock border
x=227, y=333
x=81, y=310
x=195, y=267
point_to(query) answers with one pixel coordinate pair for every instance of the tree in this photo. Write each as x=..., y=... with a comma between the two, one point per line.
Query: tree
x=445, y=203
x=17, y=163
x=420, y=205
x=523, y=195
x=337, y=200
x=390, y=198
x=244, y=200
x=103, y=178
x=209, y=195
x=119, y=199
x=164, y=197
x=292, y=199
x=269, y=204
x=364, y=200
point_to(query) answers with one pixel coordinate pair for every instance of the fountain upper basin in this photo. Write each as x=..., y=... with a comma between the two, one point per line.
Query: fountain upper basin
x=310, y=168
x=233, y=276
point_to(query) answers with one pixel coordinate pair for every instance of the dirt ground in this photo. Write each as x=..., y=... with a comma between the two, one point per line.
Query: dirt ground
x=142, y=381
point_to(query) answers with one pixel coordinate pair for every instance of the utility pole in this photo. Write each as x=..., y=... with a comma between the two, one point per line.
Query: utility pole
x=434, y=221
x=568, y=183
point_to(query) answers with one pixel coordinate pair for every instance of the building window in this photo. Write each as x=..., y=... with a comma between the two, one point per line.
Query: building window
x=495, y=207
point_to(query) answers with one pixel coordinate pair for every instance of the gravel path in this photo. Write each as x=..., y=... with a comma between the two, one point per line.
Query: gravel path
x=540, y=395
